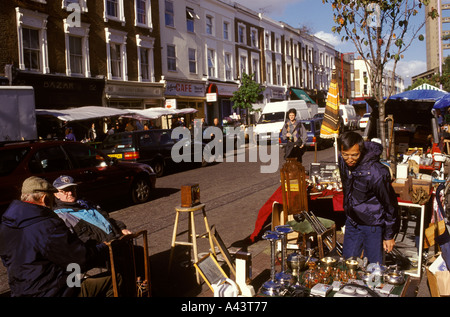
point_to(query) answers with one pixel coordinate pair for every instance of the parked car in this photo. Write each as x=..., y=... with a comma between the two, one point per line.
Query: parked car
x=312, y=127
x=100, y=178
x=363, y=121
x=152, y=147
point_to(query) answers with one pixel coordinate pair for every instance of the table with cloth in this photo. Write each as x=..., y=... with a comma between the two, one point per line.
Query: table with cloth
x=266, y=210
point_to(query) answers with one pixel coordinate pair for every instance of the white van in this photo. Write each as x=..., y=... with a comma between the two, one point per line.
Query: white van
x=275, y=114
x=349, y=117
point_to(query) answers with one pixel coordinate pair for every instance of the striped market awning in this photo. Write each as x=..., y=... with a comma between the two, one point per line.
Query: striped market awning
x=330, y=124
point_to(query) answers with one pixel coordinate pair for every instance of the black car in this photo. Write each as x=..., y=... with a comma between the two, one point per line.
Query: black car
x=152, y=147
x=99, y=177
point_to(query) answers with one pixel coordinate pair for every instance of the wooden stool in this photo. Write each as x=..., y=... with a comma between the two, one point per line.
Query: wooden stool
x=191, y=234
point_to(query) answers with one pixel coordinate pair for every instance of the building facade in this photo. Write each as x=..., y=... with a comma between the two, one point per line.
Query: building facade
x=138, y=54
x=73, y=58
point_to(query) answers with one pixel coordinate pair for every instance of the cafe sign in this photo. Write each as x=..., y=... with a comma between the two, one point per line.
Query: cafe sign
x=185, y=89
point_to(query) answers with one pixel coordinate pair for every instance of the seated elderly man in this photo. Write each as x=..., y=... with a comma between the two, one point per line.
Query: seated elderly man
x=38, y=250
x=89, y=222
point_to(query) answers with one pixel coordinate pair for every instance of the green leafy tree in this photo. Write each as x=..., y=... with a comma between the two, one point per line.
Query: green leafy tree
x=249, y=92
x=381, y=32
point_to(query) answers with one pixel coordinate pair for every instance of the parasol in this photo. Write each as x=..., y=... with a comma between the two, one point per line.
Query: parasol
x=330, y=124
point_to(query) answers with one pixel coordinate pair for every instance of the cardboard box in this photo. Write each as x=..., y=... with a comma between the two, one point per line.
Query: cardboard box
x=438, y=281
x=421, y=183
x=402, y=186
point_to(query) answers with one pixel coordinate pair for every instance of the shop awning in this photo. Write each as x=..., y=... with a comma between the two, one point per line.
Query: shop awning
x=302, y=95
x=93, y=112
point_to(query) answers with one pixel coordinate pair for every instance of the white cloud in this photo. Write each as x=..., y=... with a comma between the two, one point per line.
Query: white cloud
x=329, y=38
x=409, y=68
x=268, y=7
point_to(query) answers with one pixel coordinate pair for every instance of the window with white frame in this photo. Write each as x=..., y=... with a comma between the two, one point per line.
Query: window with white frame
x=114, y=11
x=304, y=78
x=116, y=60
x=289, y=75
x=192, y=60
x=209, y=25
x=226, y=30
x=66, y=4
x=76, y=54
x=241, y=33
x=211, y=63
x=116, y=49
x=277, y=45
x=145, y=46
x=278, y=75
x=143, y=13
x=77, y=49
x=171, y=58
x=267, y=40
x=144, y=64
x=255, y=69
x=190, y=18
x=288, y=48
x=228, y=68
x=169, y=13
x=243, y=64
x=269, y=79
x=32, y=40
x=254, y=37
x=297, y=72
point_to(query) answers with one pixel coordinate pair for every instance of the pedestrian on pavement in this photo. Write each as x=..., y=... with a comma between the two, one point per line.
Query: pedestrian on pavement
x=295, y=134
x=37, y=248
x=370, y=202
x=84, y=218
x=92, y=134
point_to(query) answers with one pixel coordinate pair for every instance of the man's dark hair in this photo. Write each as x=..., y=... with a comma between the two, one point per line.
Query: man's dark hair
x=292, y=110
x=349, y=139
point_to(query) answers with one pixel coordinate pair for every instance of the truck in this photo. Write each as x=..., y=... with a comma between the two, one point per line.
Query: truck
x=17, y=113
x=275, y=114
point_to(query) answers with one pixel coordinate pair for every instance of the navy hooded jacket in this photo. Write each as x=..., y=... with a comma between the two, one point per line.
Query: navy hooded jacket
x=369, y=198
x=36, y=248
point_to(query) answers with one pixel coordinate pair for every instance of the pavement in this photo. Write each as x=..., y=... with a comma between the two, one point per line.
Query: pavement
x=182, y=282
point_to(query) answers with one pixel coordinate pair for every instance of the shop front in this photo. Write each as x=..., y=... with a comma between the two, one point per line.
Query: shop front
x=62, y=92
x=133, y=95
x=219, y=104
x=186, y=94
x=273, y=94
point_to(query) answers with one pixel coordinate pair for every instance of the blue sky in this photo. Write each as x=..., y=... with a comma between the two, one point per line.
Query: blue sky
x=318, y=17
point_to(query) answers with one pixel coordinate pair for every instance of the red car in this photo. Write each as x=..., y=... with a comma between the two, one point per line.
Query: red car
x=100, y=178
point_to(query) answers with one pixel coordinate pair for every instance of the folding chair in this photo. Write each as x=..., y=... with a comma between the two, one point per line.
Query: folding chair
x=135, y=275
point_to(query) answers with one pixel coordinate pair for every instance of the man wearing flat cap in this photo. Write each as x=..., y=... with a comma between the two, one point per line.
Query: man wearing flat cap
x=36, y=247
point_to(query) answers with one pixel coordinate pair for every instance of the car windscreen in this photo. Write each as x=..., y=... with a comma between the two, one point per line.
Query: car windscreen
x=271, y=117
x=120, y=140
x=307, y=125
x=10, y=159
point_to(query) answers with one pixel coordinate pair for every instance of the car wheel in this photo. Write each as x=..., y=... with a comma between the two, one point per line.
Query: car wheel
x=158, y=168
x=140, y=191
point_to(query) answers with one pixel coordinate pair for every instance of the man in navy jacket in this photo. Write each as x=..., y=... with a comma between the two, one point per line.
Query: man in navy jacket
x=36, y=247
x=370, y=202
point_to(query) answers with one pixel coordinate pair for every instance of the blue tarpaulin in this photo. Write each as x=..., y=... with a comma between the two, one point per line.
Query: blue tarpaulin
x=419, y=95
x=442, y=102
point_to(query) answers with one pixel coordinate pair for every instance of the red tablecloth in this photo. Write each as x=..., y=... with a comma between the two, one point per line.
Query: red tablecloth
x=266, y=210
